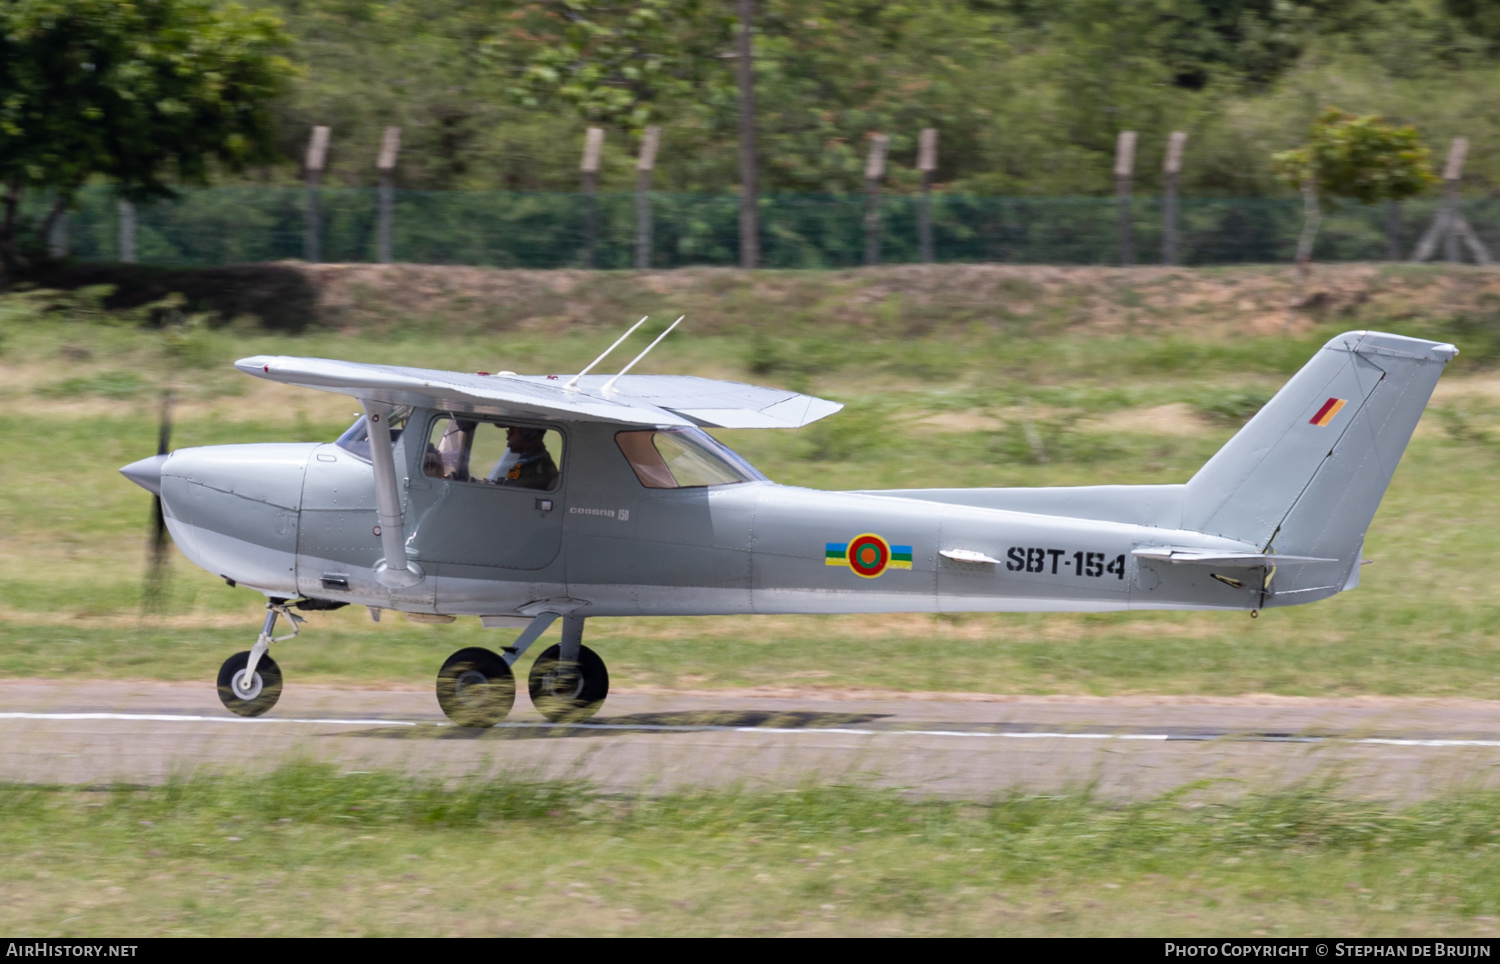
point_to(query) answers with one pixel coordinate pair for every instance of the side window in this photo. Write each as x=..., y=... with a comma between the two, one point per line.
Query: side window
x=682, y=459
x=483, y=452
x=356, y=438
x=646, y=460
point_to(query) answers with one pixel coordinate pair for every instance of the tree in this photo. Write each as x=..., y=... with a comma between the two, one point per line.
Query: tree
x=137, y=92
x=614, y=63
x=1362, y=158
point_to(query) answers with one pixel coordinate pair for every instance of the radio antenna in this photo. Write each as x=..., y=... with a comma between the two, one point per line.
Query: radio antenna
x=609, y=385
x=574, y=380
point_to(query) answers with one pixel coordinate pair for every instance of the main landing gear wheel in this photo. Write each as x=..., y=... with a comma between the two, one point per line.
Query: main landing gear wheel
x=262, y=692
x=568, y=693
x=475, y=687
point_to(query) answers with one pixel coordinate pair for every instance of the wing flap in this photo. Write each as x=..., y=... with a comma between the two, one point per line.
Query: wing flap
x=712, y=402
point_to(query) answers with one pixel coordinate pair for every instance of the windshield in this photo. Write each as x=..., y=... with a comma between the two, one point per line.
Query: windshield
x=356, y=438
x=683, y=459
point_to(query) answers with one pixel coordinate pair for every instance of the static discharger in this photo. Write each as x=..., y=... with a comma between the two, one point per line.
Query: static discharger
x=609, y=386
x=572, y=382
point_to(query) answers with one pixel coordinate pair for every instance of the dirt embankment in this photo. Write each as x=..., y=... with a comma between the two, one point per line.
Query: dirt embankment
x=905, y=299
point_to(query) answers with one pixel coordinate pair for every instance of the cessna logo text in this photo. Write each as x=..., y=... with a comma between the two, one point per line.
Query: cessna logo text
x=622, y=514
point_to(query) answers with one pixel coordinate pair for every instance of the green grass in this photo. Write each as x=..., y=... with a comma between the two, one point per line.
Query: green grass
x=1423, y=623
x=306, y=850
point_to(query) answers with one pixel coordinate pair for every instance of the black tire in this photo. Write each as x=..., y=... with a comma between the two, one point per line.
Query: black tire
x=264, y=694
x=568, y=695
x=476, y=688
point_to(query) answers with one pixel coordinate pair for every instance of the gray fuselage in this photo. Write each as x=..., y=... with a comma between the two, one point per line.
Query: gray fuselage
x=300, y=519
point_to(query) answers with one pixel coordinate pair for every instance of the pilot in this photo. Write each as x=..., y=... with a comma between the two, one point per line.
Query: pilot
x=527, y=463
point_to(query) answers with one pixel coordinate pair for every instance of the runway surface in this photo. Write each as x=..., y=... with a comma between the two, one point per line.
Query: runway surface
x=144, y=732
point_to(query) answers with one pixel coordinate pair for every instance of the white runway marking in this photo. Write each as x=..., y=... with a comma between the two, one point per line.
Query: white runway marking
x=182, y=718
x=668, y=728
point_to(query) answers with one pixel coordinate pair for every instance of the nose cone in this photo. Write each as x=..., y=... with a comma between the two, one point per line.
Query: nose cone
x=146, y=473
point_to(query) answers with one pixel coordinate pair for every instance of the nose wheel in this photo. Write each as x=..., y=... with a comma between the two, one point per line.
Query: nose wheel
x=249, y=693
x=250, y=682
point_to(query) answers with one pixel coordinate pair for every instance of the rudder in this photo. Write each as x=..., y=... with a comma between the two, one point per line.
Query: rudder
x=1306, y=474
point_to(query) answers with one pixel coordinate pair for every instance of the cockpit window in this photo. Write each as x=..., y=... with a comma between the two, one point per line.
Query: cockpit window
x=356, y=439
x=683, y=459
x=485, y=452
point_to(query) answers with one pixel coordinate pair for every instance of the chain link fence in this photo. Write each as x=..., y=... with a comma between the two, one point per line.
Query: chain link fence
x=233, y=225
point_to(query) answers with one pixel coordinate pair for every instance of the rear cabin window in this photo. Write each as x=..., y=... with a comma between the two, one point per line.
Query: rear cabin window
x=683, y=459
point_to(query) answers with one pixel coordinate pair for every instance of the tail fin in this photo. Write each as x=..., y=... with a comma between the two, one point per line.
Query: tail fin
x=1307, y=473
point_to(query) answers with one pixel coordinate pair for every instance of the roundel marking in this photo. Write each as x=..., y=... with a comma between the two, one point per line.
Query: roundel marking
x=869, y=555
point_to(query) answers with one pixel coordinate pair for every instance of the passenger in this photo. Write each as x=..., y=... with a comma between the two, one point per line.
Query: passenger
x=527, y=463
x=450, y=460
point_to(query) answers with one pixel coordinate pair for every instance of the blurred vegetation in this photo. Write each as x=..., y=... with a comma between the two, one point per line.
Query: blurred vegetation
x=308, y=850
x=143, y=96
x=1027, y=96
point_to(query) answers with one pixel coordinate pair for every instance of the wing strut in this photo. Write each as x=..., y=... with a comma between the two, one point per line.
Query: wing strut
x=394, y=572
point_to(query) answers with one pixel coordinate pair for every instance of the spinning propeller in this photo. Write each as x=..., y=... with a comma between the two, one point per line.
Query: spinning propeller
x=146, y=473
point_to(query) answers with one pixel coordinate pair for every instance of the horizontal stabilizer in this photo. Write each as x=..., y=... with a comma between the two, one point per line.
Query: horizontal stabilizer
x=1232, y=560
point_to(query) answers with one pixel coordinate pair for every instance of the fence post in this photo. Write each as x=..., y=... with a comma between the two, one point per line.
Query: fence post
x=1453, y=171
x=1449, y=227
x=56, y=226
x=643, y=165
x=744, y=69
x=127, y=232
x=1124, y=164
x=927, y=164
x=317, y=153
x=57, y=236
x=874, y=173
x=1171, y=167
x=593, y=146
x=385, y=163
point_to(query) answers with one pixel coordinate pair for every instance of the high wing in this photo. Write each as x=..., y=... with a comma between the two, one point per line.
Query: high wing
x=630, y=400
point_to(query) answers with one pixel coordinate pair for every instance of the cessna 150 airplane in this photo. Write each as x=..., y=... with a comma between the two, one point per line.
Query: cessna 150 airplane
x=523, y=500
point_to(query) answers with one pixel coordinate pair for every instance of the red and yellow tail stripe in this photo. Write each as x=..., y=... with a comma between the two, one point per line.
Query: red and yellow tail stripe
x=1326, y=414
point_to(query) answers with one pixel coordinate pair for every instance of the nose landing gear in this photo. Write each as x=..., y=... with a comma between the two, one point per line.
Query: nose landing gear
x=250, y=682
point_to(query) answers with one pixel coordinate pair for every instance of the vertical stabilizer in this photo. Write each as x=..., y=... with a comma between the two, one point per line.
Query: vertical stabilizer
x=1308, y=471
